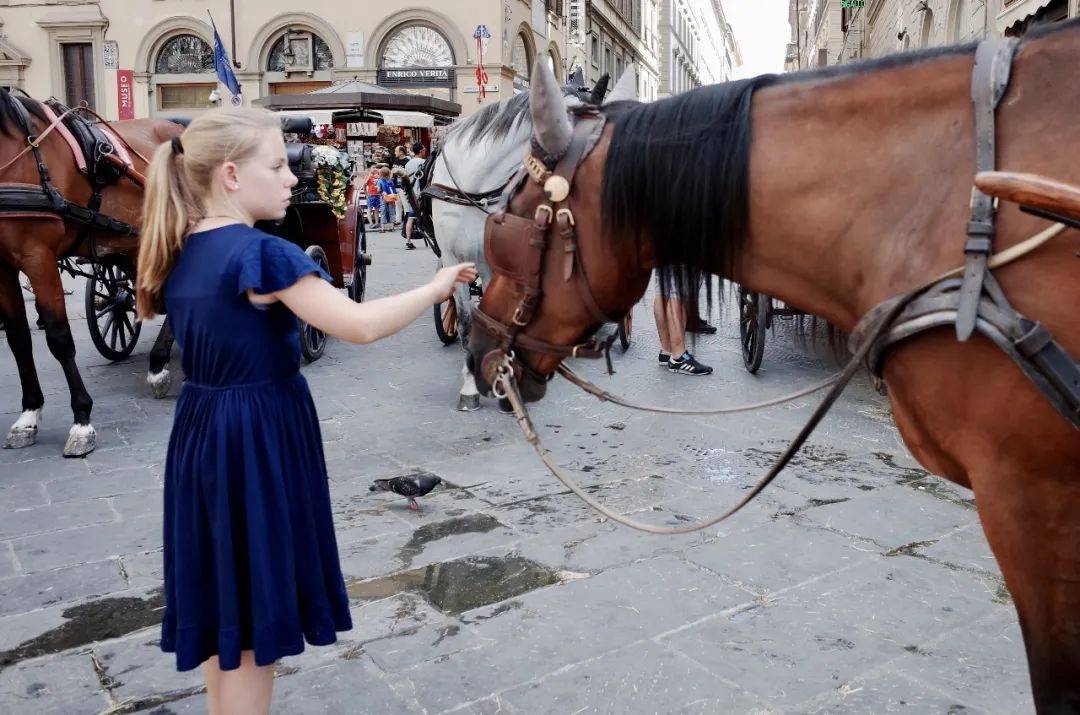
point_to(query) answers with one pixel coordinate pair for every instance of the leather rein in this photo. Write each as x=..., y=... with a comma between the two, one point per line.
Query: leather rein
x=524, y=266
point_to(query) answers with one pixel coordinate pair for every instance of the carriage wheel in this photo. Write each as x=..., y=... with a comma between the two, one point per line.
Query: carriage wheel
x=753, y=323
x=313, y=340
x=360, y=264
x=446, y=321
x=626, y=330
x=110, y=310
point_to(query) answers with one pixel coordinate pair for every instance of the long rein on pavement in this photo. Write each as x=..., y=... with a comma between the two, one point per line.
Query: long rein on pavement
x=505, y=385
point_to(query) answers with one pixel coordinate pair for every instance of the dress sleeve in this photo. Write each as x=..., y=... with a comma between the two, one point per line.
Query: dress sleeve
x=268, y=264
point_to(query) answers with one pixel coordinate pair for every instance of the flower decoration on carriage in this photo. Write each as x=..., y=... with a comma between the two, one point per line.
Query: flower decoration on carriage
x=332, y=174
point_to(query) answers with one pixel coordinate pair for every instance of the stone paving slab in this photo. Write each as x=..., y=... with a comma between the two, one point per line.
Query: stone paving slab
x=856, y=583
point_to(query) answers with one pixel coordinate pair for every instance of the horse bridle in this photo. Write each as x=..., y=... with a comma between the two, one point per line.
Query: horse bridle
x=522, y=263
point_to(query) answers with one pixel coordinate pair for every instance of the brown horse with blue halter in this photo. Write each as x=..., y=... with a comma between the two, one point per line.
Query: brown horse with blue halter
x=854, y=201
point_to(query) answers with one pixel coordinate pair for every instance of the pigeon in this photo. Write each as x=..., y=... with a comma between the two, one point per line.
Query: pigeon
x=409, y=485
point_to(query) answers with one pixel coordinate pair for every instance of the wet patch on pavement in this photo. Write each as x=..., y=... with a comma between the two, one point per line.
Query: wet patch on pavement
x=454, y=587
x=470, y=524
x=90, y=622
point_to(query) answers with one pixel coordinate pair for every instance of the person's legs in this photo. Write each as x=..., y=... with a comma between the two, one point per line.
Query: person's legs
x=212, y=674
x=244, y=691
x=410, y=219
x=675, y=320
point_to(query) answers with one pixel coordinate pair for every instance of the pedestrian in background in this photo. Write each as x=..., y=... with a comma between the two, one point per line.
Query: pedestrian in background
x=374, y=199
x=388, y=193
x=251, y=566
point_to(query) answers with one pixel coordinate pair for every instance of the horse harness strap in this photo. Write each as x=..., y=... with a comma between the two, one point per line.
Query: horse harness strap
x=989, y=80
x=976, y=302
x=101, y=165
x=552, y=216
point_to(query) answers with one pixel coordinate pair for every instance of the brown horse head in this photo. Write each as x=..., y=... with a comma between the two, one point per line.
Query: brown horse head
x=598, y=260
x=561, y=317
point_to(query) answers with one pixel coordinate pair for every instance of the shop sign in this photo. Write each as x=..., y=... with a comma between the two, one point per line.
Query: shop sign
x=125, y=95
x=417, y=77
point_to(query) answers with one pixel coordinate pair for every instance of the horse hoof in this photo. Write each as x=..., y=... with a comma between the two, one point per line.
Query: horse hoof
x=505, y=407
x=160, y=383
x=25, y=430
x=81, y=441
x=20, y=437
x=468, y=403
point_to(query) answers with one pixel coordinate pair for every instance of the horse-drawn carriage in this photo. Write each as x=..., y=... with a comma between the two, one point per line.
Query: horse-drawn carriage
x=338, y=245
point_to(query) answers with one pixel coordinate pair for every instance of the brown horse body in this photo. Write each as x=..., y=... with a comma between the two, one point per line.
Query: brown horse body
x=32, y=242
x=860, y=190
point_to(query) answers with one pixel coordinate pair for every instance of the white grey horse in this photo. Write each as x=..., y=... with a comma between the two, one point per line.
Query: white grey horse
x=478, y=157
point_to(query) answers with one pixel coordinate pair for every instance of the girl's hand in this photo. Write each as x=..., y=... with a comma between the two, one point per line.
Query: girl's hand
x=447, y=279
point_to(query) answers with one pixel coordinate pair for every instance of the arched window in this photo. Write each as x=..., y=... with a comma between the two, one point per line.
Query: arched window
x=184, y=54
x=521, y=62
x=182, y=76
x=416, y=46
x=927, y=26
x=961, y=19
x=305, y=51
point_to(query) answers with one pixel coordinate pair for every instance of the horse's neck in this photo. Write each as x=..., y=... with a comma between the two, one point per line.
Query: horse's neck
x=860, y=185
x=481, y=166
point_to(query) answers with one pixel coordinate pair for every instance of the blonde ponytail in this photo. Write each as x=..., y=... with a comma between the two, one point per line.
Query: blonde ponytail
x=178, y=180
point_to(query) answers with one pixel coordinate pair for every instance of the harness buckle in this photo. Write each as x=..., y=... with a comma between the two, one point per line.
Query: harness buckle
x=519, y=318
x=550, y=214
x=568, y=214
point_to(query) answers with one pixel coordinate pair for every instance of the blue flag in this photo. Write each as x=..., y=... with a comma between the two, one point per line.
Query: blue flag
x=223, y=67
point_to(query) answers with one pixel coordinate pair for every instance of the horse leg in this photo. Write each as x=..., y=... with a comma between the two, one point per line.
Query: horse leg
x=13, y=316
x=49, y=292
x=159, y=378
x=469, y=396
x=1030, y=520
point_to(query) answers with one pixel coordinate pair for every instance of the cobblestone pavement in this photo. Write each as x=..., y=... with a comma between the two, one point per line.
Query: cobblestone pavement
x=858, y=583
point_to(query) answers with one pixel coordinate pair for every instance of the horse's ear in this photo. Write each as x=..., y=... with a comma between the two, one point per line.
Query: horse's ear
x=600, y=90
x=626, y=88
x=551, y=126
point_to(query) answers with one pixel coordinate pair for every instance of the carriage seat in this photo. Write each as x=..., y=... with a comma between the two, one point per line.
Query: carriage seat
x=301, y=159
x=1032, y=190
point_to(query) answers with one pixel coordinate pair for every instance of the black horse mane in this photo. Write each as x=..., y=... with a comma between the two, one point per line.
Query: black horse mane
x=11, y=120
x=677, y=170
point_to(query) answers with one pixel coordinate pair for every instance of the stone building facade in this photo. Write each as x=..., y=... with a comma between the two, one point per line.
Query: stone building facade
x=609, y=36
x=826, y=32
x=154, y=57
x=697, y=45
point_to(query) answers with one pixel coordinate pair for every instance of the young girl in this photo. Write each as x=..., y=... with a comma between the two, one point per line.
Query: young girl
x=250, y=559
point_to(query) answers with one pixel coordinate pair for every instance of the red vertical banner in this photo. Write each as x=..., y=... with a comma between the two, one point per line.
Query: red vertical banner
x=125, y=93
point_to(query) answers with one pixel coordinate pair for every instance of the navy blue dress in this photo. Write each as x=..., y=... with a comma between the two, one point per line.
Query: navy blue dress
x=251, y=562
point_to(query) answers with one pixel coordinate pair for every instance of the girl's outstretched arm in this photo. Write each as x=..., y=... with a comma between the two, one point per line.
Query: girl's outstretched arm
x=317, y=302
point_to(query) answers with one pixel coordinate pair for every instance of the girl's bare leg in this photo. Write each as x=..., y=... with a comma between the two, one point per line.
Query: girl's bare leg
x=243, y=691
x=212, y=674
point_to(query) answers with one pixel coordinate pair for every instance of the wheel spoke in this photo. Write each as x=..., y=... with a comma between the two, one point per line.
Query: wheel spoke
x=107, y=309
x=103, y=330
x=129, y=329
